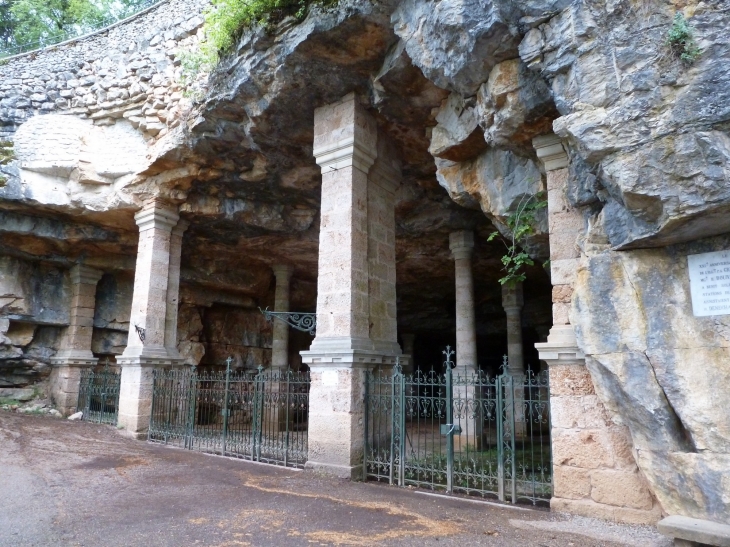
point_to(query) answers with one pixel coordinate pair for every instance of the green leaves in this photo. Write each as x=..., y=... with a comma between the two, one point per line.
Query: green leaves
x=224, y=23
x=42, y=22
x=522, y=225
x=680, y=39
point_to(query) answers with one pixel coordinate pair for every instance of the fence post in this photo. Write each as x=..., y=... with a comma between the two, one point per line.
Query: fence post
x=402, y=426
x=499, y=388
x=286, y=417
x=450, y=422
x=192, y=403
x=225, y=407
x=87, y=402
x=393, y=428
x=366, y=425
x=258, y=417
x=513, y=431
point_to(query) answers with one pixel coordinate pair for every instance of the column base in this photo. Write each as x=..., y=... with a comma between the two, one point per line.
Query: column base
x=66, y=379
x=561, y=346
x=337, y=408
x=351, y=472
x=135, y=392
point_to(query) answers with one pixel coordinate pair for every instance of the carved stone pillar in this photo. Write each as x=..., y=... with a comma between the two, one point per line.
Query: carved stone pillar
x=462, y=247
x=409, y=342
x=149, y=331
x=512, y=301
x=356, y=281
x=75, y=351
x=280, y=342
x=173, y=287
x=590, y=451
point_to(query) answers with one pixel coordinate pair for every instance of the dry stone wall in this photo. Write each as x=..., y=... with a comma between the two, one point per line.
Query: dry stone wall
x=126, y=71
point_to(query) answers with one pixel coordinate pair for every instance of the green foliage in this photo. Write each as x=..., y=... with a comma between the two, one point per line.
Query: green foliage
x=6, y=152
x=681, y=40
x=9, y=401
x=43, y=22
x=522, y=225
x=224, y=23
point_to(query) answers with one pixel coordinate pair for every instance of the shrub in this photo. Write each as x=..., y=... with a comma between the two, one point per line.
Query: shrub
x=681, y=40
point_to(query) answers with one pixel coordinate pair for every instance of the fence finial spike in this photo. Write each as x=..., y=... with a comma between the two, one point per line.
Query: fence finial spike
x=449, y=353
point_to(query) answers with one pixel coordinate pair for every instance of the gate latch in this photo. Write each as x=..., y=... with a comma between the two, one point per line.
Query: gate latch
x=448, y=429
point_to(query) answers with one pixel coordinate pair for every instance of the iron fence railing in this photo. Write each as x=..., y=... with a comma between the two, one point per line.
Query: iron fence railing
x=460, y=433
x=99, y=395
x=260, y=416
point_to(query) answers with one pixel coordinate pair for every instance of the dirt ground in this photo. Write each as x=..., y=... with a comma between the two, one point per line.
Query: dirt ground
x=77, y=484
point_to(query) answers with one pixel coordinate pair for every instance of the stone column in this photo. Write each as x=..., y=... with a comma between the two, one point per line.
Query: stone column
x=512, y=301
x=148, y=327
x=173, y=287
x=274, y=416
x=355, y=306
x=594, y=473
x=75, y=351
x=462, y=247
x=409, y=342
x=280, y=342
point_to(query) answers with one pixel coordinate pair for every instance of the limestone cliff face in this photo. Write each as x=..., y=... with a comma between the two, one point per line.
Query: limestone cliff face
x=462, y=86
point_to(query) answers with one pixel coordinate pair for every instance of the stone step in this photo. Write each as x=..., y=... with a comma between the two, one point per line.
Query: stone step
x=688, y=531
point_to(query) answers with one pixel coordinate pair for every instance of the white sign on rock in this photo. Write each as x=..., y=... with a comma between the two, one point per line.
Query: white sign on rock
x=709, y=281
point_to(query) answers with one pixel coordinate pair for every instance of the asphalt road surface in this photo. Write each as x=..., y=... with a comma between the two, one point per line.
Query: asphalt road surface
x=77, y=484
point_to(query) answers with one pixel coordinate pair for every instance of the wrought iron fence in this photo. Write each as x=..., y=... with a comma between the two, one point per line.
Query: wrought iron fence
x=99, y=395
x=260, y=416
x=460, y=433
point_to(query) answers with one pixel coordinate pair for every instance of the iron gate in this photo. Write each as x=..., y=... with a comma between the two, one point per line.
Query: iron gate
x=470, y=434
x=260, y=416
x=99, y=395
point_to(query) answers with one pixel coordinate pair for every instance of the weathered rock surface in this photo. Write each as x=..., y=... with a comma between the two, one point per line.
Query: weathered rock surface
x=656, y=129
x=467, y=82
x=499, y=182
x=661, y=370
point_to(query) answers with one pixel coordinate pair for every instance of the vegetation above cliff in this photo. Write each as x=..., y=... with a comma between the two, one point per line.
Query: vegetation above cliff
x=225, y=20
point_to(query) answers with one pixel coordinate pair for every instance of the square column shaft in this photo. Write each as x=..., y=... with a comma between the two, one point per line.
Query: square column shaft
x=173, y=287
x=573, y=399
x=149, y=331
x=280, y=342
x=356, y=306
x=75, y=351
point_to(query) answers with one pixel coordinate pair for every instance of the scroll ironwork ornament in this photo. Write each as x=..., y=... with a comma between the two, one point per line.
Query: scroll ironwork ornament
x=140, y=332
x=305, y=322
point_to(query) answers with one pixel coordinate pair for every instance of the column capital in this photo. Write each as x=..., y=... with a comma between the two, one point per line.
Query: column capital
x=512, y=297
x=461, y=244
x=86, y=275
x=157, y=214
x=282, y=271
x=180, y=227
x=561, y=347
x=551, y=151
x=388, y=177
x=345, y=135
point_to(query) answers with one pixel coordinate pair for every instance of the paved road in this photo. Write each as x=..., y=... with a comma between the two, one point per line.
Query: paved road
x=76, y=484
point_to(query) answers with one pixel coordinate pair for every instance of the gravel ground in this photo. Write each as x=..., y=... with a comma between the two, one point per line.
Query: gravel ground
x=77, y=484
